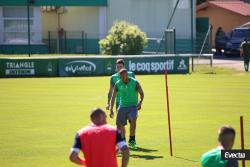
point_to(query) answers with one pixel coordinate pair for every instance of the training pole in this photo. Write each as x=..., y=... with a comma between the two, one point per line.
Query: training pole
x=242, y=137
x=168, y=110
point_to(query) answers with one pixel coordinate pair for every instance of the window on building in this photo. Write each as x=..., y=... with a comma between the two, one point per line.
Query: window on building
x=14, y=25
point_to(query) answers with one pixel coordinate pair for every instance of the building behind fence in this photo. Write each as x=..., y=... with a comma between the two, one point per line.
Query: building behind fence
x=76, y=27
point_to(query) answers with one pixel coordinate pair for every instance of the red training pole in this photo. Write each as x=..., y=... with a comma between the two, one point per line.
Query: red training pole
x=242, y=137
x=168, y=110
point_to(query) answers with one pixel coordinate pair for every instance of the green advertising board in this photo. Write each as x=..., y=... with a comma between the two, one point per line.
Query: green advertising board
x=10, y=67
x=158, y=64
x=138, y=64
x=91, y=65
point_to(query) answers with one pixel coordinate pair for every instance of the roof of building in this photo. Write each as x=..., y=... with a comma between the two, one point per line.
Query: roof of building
x=238, y=7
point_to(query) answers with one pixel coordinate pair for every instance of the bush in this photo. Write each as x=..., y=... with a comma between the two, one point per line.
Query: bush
x=123, y=39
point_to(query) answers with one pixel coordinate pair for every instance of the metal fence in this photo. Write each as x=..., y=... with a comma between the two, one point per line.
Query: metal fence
x=66, y=42
x=81, y=42
x=183, y=44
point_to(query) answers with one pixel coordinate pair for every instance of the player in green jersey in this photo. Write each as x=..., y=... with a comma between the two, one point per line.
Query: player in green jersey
x=212, y=158
x=245, y=53
x=127, y=88
x=120, y=64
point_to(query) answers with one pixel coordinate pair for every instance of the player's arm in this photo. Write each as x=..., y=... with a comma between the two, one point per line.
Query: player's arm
x=121, y=144
x=110, y=93
x=141, y=93
x=112, y=101
x=125, y=157
x=74, y=155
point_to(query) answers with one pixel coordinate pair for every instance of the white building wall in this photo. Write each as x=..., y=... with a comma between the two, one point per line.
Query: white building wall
x=102, y=22
x=35, y=28
x=152, y=16
x=74, y=19
x=1, y=25
x=37, y=25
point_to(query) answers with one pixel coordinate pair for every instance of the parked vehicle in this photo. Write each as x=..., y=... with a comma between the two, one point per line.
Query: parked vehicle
x=234, y=40
x=246, y=25
x=229, y=44
x=220, y=43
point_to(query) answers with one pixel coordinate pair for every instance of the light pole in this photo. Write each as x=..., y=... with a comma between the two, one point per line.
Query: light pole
x=28, y=22
x=192, y=26
x=29, y=2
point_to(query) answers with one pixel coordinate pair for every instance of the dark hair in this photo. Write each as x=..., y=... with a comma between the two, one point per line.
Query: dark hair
x=226, y=130
x=123, y=70
x=120, y=61
x=95, y=113
x=245, y=39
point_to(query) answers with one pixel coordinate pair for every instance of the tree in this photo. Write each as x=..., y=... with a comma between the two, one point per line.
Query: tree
x=123, y=39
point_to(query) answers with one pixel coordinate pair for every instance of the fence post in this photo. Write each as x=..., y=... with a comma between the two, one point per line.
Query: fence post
x=211, y=39
x=174, y=41
x=65, y=42
x=170, y=42
x=86, y=42
x=49, y=42
x=192, y=58
x=83, y=49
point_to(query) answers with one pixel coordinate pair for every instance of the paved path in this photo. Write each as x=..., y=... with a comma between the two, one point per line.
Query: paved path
x=232, y=63
x=236, y=64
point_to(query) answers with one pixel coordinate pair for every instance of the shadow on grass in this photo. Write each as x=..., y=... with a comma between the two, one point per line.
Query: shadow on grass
x=145, y=150
x=146, y=157
x=186, y=159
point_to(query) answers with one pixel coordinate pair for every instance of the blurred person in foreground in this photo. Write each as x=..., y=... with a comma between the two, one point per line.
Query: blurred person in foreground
x=98, y=142
x=212, y=158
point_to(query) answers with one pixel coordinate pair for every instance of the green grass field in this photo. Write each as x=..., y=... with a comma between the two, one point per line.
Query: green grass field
x=40, y=116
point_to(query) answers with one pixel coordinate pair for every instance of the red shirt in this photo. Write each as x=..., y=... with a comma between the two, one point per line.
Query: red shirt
x=98, y=143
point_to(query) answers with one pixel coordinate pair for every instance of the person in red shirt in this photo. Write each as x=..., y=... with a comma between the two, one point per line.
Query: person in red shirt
x=98, y=143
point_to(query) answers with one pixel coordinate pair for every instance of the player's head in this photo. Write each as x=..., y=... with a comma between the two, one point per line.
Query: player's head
x=120, y=64
x=226, y=137
x=98, y=116
x=123, y=74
